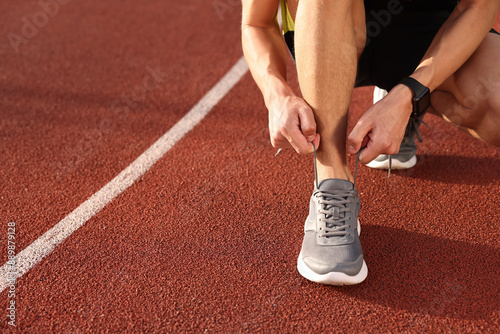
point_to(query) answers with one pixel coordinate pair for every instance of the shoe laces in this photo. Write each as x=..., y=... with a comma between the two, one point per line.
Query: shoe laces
x=316, y=167
x=412, y=128
x=410, y=132
x=333, y=206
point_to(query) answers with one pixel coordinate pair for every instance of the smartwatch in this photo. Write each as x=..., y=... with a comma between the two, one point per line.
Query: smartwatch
x=421, y=96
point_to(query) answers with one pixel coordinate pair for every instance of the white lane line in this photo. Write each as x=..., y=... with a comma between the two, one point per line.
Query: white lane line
x=44, y=245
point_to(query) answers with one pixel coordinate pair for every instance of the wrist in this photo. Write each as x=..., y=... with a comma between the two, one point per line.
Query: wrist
x=277, y=90
x=405, y=95
x=421, y=99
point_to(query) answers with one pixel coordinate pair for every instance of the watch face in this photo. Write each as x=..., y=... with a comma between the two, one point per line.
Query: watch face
x=423, y=101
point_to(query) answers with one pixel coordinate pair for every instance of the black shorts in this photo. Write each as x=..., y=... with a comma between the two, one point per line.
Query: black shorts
x=397, y=39
x=398, y=33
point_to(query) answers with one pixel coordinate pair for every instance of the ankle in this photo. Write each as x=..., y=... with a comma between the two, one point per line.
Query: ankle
x=334, y=172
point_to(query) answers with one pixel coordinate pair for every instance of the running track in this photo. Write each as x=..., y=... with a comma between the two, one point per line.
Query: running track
x=207, y=239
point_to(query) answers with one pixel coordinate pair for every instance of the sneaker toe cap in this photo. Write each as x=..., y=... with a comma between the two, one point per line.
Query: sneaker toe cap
x=320, y=267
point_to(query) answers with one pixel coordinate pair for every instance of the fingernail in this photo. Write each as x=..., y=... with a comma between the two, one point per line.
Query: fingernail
x=352, y=149
x=310, y=138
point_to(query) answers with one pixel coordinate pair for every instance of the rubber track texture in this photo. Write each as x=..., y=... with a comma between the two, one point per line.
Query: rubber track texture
x=208, y=239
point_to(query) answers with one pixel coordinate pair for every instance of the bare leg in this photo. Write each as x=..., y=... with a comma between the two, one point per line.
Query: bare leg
x=326, y=54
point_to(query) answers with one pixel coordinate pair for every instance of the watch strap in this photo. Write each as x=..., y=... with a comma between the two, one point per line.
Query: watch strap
x=421, y=96
x=417, y=88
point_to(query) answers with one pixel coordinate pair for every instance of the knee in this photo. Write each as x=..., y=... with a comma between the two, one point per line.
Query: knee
x=487, y=97
x=485, y=119
x=493, y=103
x=489, y=128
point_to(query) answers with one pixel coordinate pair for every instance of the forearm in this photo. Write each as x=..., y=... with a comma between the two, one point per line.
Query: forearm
x=456, y=41
x=266, y=55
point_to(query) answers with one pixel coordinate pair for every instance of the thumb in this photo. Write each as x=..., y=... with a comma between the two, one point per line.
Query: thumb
x=307, y=124
x=315, y=142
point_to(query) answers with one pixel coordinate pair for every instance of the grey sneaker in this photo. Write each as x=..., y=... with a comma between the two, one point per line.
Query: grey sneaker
x=331, y=251
x=406, y=157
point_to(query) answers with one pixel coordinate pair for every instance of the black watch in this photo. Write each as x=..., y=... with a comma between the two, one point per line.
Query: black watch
x=421, y=96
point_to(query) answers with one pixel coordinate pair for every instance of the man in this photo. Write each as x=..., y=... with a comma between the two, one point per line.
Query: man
x=434, y=56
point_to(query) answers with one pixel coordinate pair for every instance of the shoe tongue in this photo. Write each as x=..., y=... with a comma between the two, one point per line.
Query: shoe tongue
x=336, y=184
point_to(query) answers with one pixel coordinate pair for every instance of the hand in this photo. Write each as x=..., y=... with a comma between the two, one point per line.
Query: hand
x=382, y=127
x=292, y=124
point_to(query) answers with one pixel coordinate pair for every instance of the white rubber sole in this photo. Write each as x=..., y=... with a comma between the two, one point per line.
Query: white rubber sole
x=396, y=164
x=333, y=278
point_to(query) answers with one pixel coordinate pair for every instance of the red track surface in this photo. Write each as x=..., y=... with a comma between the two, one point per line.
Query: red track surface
x=207, y=240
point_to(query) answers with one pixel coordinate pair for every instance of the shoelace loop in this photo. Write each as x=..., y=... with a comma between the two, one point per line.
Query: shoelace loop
x=411, y=130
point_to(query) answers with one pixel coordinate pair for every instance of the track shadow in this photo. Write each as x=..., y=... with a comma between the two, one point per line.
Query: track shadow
x=429, y=275
x=454, y=169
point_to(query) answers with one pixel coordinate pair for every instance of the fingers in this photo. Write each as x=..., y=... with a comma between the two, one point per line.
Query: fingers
x=298, y=141
x=300, y=131
x=279, y=141
x=316, y=141
x=292, y=137
x=374, y=139
x=377, y=146
x=365, y=141
x=376, y=143
x=358, y=138
x=369, y=153
x=307, y=123
x=295, y=127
